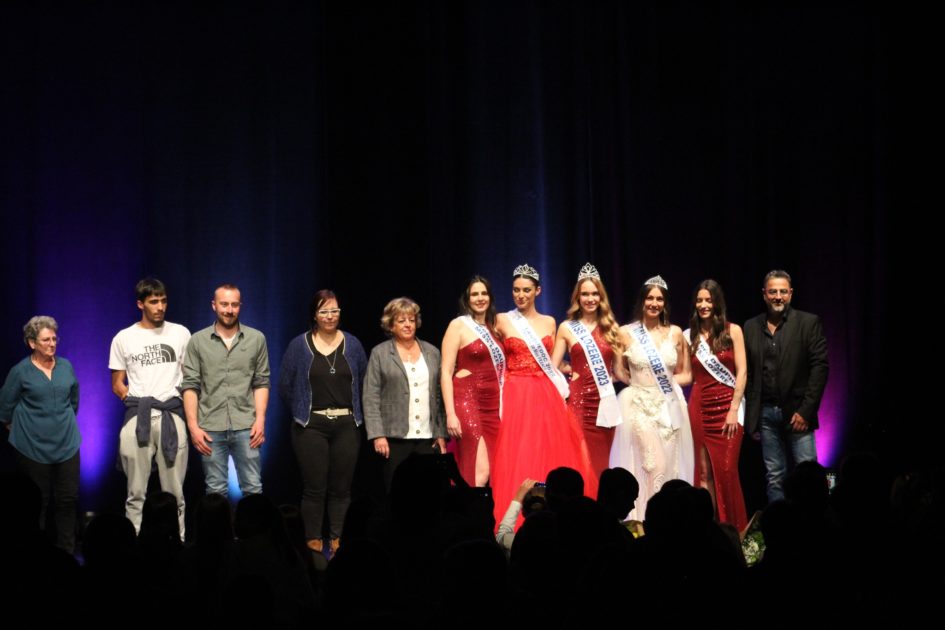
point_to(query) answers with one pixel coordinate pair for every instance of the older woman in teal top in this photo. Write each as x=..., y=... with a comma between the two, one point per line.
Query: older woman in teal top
x=38, y=404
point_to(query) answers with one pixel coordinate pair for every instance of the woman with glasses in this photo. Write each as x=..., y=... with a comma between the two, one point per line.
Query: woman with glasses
x=38, y=404
x=320, y=382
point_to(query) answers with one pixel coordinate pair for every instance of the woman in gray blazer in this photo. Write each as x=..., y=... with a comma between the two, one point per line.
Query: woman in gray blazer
x=403, y=408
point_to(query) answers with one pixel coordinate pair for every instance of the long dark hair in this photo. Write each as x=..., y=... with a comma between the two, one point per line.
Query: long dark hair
x=641, y=300
x=719, y=337
x=466, y=309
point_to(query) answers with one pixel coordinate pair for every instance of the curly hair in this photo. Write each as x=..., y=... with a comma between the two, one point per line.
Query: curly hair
x=36, y=324
x=399, y=306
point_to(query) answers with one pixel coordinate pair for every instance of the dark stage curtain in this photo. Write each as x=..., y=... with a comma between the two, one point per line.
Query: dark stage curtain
x=396, y=148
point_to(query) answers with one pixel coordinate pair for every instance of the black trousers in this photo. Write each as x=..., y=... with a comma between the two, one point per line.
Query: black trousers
x=59, y=485
x=327, y=451
x=401, y=449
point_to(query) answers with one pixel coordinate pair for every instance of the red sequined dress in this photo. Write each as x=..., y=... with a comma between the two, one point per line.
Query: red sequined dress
x=476, y=401
x=709, y=403
x=585, y=399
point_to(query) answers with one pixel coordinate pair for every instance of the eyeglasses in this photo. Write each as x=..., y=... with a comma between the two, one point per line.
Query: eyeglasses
x=325, y=312
x=774, y=292
x=48, y=341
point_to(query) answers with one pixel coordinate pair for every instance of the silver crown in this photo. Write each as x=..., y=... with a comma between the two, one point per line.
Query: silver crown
x=526, y=271
x=588, y=271
x=658, y=282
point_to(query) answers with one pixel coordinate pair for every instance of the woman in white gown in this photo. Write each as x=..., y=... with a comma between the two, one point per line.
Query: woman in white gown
x=655, y=440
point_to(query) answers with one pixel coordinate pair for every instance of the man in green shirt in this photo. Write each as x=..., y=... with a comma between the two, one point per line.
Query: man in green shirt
x=226, y=390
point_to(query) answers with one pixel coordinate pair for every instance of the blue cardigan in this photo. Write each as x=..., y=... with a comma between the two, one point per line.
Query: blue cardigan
x=295, y=388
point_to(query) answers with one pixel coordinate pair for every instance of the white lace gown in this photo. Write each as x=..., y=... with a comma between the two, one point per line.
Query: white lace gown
x=646, y=443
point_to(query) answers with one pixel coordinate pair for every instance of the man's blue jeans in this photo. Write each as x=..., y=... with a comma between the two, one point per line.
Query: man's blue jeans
x=776, y=437
x=245, y=460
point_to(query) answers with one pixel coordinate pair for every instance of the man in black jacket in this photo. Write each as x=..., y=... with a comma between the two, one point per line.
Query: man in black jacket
x=787, y=373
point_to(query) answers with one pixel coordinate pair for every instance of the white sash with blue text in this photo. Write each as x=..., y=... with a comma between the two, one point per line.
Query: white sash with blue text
x=608, y=413
x=539, y=352
x=717, y=369
x=495, y=351
x=664, y=379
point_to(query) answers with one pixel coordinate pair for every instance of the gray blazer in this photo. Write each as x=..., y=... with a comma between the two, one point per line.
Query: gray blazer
x=386, y=394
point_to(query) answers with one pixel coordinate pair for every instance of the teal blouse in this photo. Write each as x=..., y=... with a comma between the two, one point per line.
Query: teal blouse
x=42, y=411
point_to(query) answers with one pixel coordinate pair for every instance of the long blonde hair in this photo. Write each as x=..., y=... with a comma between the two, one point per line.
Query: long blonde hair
x=605, y=314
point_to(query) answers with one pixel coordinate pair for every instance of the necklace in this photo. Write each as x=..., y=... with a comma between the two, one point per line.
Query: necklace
x=334, y=358
x=334, y=355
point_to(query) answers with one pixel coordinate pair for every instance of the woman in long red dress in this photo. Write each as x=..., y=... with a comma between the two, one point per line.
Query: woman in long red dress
x=719, y=370
x=592, y=339
x=472, y=366
x=537, y=433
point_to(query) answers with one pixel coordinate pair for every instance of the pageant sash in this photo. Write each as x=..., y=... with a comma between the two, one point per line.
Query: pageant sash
x=664, y=379
x=539, y=352
x=495, y=351
x=717, y=369
x=608, y=413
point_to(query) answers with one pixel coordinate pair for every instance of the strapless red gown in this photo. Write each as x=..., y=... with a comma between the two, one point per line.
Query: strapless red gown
x=537, y=433
x=709, y=403
x=476, y=400
x=585, y=399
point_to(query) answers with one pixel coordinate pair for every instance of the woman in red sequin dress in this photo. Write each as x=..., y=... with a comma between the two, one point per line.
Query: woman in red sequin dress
x=713, y=403
x=469, y=380
x=590, y=307
x=537, y=433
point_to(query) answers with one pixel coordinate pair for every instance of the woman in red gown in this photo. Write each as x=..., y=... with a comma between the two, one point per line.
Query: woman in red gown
x=472, y=361
x=537, y=433
x=590, y=312
x=719, y=374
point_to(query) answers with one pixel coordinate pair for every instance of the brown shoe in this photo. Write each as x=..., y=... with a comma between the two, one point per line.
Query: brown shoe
x=316, y=544
x=335, y=544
